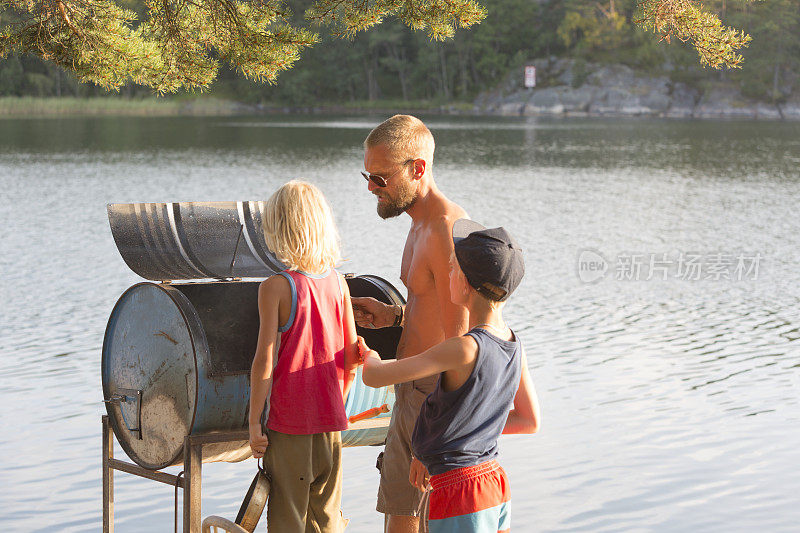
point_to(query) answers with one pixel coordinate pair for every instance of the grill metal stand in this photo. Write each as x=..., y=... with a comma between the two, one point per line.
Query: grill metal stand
x=190, y=482
x=205, y=333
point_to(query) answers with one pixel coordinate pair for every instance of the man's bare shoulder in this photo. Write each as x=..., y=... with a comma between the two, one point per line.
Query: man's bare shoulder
x=443, y=213
x=438, y=228
x=441, y=227
x=450, y=212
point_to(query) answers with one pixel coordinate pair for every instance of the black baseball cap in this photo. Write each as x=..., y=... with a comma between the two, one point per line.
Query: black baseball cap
x=490, y=258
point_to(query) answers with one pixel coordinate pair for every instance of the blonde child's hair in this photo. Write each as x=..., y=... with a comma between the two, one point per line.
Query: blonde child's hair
x=299, y=228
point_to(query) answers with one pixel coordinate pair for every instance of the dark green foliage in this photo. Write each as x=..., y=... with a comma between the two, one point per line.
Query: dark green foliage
x=12, y=77
x=178, y=45
x=773, y=59
x=393, y=62
x=181, y=43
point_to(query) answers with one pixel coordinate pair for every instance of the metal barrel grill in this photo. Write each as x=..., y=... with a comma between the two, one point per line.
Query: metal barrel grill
x=176, y=356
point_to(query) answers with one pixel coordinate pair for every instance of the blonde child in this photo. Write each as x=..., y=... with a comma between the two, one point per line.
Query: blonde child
x=484, y=389
x=305, y=362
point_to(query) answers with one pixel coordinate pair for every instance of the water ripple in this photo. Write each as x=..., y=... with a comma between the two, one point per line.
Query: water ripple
x=668, y=406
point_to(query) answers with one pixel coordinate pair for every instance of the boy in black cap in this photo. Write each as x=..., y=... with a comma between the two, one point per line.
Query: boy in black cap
x=484, y=389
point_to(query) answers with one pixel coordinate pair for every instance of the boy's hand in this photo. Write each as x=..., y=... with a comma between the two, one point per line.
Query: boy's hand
x=418, y=475
x=372, y=314
x=258, y=441
x=364, y=352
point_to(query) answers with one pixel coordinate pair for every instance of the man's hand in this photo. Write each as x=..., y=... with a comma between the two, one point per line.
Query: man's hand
x=418, y=475
x=258, y=441
x=372, y=314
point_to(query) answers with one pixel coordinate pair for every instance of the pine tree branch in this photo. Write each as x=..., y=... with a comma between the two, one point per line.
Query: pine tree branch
x=717, y=45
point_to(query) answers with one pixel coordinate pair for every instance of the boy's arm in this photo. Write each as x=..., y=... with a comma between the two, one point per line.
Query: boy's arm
x=350, y=341
x=447, y=355
x=269, y=293
x=525, y=416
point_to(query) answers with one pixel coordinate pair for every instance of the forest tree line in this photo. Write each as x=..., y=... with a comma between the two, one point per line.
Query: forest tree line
x=392, y=62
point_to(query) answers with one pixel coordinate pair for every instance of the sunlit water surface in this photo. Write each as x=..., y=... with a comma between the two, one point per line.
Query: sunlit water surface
x=669, y=404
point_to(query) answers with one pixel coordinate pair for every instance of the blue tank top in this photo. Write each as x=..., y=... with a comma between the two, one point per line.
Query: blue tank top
x=460, y=428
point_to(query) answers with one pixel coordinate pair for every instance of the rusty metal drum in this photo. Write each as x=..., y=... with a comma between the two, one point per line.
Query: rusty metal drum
x=192, y=240
x=176, y=361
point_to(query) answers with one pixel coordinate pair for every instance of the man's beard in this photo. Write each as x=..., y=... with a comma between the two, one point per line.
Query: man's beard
x=406, y=196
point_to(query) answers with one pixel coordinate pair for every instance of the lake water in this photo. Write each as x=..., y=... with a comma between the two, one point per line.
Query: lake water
x=660, y=310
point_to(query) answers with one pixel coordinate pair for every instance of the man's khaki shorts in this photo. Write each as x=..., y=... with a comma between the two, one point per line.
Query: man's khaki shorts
x=396, y=496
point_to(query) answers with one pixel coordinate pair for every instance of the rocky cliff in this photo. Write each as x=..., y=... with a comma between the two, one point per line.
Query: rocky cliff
x=567, y=87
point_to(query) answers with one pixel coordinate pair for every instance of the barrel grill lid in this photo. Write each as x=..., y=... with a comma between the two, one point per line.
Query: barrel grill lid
x=149, y=371
x=192, y=240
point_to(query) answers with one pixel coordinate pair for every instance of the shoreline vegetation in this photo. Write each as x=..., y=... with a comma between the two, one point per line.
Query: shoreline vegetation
x=591, y=59
x=13, y=107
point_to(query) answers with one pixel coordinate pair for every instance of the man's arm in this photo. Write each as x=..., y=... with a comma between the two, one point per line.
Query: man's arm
x=455, y=318
x=525, y=416
x=448, y=355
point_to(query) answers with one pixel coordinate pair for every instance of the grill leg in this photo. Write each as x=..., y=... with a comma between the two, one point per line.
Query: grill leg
x=192, y=465
x=108, y=477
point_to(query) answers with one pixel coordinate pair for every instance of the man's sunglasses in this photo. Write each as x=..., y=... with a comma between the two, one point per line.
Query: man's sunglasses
x=380, y=181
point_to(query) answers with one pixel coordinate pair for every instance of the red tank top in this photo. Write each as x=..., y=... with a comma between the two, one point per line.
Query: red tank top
x=308, y=378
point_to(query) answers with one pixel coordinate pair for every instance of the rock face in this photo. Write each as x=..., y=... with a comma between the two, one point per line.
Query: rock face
x=567, y=87
x=791, y=109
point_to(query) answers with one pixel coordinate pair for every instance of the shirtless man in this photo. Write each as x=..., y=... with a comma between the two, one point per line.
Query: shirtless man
x=398, y=159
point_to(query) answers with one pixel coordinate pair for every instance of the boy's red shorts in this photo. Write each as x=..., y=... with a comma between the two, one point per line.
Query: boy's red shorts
x=470, y=499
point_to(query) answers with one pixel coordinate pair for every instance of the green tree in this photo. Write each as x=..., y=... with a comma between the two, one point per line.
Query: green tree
x=686, y=20
x=774, y=58
x=592, y=27
x=11, y=76
x=181, y=43
x=172, y=44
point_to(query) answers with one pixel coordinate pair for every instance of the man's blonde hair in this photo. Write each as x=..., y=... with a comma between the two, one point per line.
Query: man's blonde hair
x=405, y=136
x=299, y=228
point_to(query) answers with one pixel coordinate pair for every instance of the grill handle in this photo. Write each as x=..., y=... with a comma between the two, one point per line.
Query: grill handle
x=130, y=406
